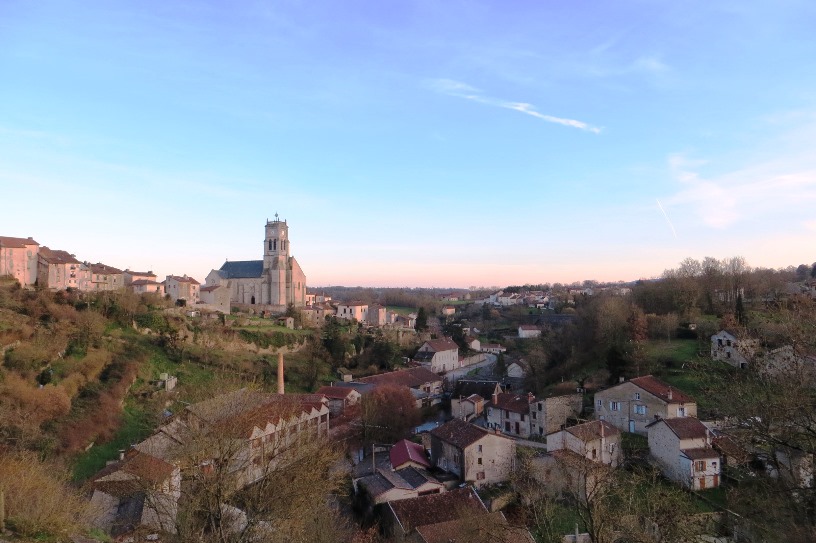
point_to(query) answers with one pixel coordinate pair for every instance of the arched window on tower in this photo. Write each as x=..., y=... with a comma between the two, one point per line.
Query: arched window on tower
x=275, y=245
x=270, y=244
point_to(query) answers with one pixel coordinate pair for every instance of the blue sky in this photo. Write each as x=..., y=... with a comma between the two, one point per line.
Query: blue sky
x=412, y=143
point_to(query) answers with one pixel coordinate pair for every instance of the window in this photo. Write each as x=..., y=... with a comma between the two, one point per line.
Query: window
x=534, y=415
x=480, y=448
x=480, y=476
x=637, y=395
x=507, y=426
x=479, y=460
x=700, y=465
x=614, y=406
x=640, y=409
x=728, y=342
x=600, y=403
x=539, y=407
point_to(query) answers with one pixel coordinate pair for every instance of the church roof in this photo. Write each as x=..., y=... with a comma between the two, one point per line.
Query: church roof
x=242, y=269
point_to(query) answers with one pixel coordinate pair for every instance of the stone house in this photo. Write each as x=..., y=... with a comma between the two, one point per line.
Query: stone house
x=726, y=345
x=146, y=286
x=376, y=315
x=418, y=379
x=104, y=277
x=439, y=355
x=130, y=276
x=18, y=258
x=448, y=310
x=470, y=397
x=597, y=441
x=474, y=454
x=473, y=343
x=316, y=314
x=682, y=448
x=403, y=518
x=528, y=331
x=522, y=415
x=510, y=413
x=632, y=405
x=339, y=398
x=60, y=270
x=352, y=311
x=182, y=288
x=216, y=297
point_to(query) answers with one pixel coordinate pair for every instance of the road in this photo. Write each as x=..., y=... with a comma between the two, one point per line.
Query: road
x=460, y=373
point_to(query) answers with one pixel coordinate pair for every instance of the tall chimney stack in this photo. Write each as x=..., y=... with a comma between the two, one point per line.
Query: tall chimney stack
x=280, y=373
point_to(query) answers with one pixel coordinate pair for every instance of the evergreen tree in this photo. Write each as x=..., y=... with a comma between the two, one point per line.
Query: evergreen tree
x=421, y=320
x=740, y=310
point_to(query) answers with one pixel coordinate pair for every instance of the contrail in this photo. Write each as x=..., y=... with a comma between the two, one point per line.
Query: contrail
x=667, y=218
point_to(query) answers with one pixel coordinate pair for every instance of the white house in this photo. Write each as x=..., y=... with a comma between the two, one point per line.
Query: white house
x=682, y=448
x=440, y=355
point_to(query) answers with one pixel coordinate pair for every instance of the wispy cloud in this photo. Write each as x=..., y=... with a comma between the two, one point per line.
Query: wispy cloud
x=783, y=187
x=468, y=92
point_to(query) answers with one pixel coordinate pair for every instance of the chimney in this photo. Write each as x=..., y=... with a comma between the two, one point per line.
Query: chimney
x=621, y=379
x=530, y=397
x=669, y=394
x=495, y=397
x=280, y=373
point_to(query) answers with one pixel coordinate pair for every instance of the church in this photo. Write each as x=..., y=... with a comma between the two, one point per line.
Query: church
x=272, y=283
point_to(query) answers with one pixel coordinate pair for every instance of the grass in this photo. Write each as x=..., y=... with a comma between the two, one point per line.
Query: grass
x=711, y=499
x=401, y=310
x=136, y=425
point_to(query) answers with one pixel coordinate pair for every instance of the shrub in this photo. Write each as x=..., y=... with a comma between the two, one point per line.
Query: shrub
x=43, y=504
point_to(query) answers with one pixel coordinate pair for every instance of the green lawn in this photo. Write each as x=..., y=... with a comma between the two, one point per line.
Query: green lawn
x=136, y=425
x=401, y=310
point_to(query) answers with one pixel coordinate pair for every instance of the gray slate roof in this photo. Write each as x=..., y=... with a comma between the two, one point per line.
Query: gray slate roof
x=242, y=269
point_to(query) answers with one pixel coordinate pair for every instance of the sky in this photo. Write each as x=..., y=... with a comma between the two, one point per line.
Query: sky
x=412, y=143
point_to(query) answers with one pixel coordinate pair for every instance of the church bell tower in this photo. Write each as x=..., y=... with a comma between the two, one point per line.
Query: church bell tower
x=276, y=244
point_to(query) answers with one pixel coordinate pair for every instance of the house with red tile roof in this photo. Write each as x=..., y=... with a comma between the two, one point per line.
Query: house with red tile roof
x=528, y=331
x=426, y=384
x=352, y=311
x=60, y=270
x=339, y=398
x=145, y=286
x=404, y=517
x=439, y=355
x=683, y=449
x=510, y=413
x=633, y=404
x=406, y=453
x=597, y=441
x=104, y=277
x=474, y=454
x=18, y=258
x=182, y=288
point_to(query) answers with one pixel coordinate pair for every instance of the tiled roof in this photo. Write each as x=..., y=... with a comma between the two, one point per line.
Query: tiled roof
x=416, y=477
x=242, y=269
x=516, y=403
x=439, y=345
x=435, y=508
x=353, y=304
x=146, y=274
x=590, y=431
x=16, y=243
x=144, y=282
x=376, y=484
x=184, y=279
x=528, y=327
x=104, y=268
x=700, y=453
x=686, y=427
x=407, y=451
x=662, y=390
x=466, y=387
x=209, y=288
x=58, y=257
x=336, y=393
x=411, y=378
x=490, y=528
x=459, y=433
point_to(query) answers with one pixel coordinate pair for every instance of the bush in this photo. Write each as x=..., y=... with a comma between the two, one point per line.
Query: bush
x=40, y=503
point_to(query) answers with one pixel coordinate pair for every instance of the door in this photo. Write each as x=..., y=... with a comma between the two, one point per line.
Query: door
x=517, y=429
x=632, y=426
x=702, y=483
x=716, y=481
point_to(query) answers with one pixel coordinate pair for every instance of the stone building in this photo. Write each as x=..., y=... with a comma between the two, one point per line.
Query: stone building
x=18, y=258
x=274, y=282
